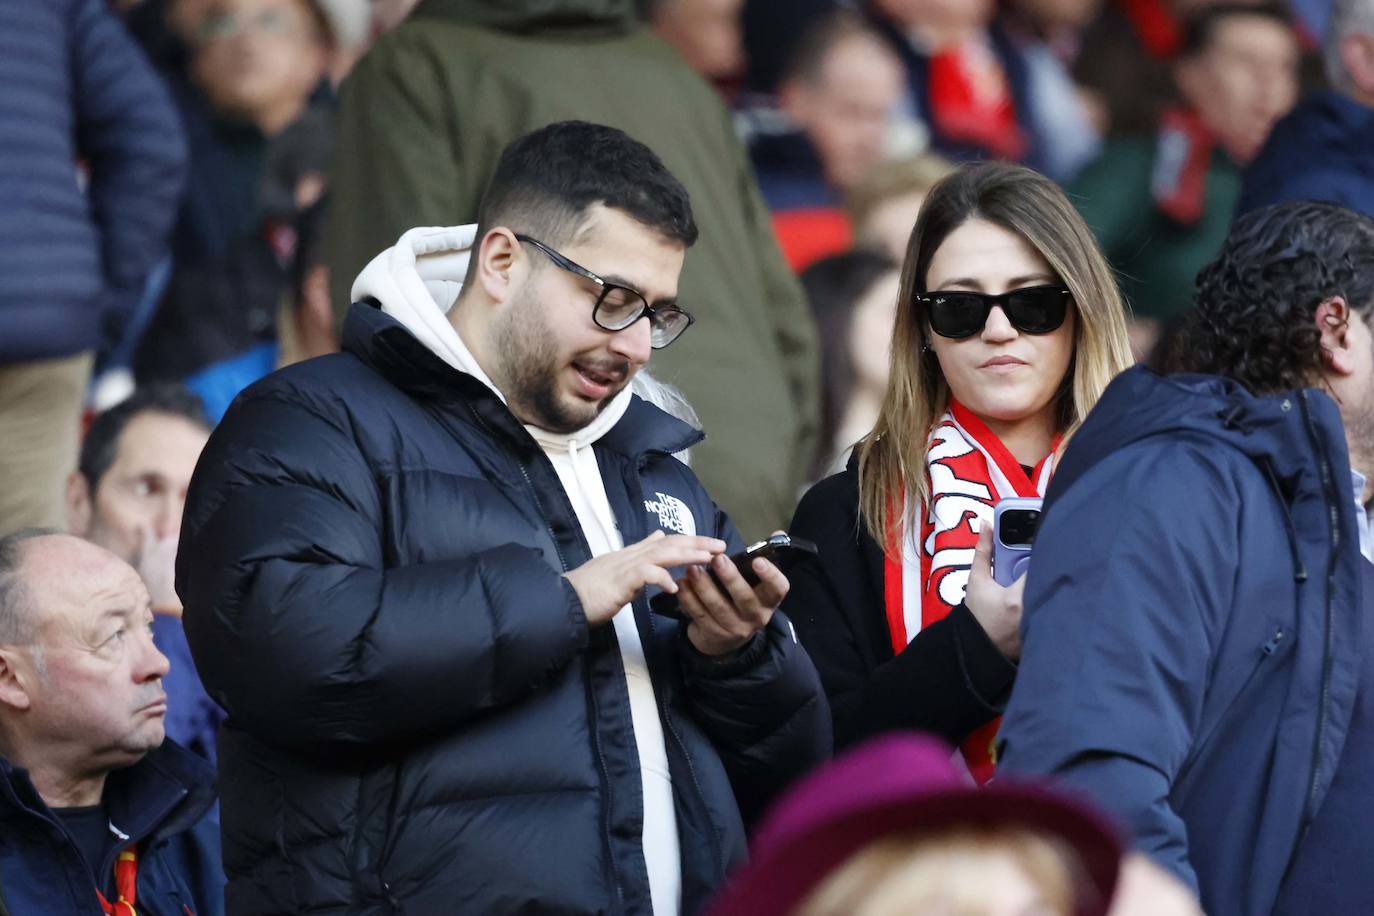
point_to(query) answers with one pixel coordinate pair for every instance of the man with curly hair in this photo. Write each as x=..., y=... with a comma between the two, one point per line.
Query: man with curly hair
x=1196, y=650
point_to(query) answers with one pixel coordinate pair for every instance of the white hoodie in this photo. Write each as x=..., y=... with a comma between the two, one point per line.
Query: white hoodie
x=417, y=281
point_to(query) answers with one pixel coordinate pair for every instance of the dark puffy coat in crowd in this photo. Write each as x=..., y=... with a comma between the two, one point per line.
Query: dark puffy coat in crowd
x=163, y=803
x=78, y=91
x=420, y=719
x=1323, y=150
x=1192, y=629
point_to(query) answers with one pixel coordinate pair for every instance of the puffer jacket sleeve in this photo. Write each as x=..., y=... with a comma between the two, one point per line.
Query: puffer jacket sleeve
x=303, y=635
x=1132, y=573
x=762, y=707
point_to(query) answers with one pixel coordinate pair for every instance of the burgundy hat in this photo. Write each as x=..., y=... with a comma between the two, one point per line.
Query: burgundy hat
x=899, y=784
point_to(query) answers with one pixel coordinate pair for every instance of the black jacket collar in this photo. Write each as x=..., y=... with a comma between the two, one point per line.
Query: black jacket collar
x=385, y=345
x=165, y=793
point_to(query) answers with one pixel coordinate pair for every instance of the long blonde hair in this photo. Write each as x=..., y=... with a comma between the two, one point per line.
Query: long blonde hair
x=892, y=458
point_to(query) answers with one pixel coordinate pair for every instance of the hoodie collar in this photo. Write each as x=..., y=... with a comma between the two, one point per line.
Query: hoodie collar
x=417, y=281
x=1270, y=429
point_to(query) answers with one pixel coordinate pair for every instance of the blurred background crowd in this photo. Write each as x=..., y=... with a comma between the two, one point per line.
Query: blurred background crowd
x=168, y=168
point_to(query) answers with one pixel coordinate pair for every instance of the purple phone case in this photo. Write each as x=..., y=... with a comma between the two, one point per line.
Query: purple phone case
x=1009, y=563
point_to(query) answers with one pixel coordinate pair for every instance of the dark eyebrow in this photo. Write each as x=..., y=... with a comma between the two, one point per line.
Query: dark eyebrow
x=617, y=280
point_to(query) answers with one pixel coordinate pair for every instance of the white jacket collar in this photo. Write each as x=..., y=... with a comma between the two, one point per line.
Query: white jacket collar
x=418, y=280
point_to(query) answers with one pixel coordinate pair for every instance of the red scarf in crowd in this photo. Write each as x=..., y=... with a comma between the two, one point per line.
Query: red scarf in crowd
x=971, y=102
x=1183, y=155
x=970, y=470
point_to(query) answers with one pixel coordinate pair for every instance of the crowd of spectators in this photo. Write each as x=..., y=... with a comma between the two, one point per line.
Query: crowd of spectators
x=195, y=193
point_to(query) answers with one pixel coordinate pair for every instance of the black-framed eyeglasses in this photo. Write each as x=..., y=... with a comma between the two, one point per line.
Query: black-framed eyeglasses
x=960, y=314
x=618, y=307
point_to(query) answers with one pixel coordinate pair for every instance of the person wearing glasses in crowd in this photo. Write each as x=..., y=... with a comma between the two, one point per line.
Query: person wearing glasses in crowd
x=415, y=574
x=1009, y=326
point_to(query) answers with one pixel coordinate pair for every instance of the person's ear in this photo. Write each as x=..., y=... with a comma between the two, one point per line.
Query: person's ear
x=498, y=263
x=15, y=678
x=1333, y=321
x=1357, y=57
x=1188, y=76
x=794, y=101
x=79, y=502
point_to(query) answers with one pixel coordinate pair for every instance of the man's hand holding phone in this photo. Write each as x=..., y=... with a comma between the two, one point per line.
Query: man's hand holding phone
x=607, y=583
x=725, y=612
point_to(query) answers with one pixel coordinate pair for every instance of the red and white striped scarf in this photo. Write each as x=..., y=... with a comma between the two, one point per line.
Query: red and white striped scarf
x=970, y=470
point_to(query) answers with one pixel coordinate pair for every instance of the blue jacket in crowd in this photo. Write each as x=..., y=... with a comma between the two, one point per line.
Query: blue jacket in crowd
x=1323, y=150
x=78, y=92
x=1192, y=628
x=163, y=803
x=420, y=718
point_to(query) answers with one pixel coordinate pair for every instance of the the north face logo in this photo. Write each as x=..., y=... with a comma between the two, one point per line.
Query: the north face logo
x=673, y=514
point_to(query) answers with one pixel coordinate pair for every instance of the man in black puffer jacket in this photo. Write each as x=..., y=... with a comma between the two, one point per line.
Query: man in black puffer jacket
x=415, y=576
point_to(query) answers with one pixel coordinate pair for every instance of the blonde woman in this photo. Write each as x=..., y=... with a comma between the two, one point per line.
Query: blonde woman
x=1009, y=326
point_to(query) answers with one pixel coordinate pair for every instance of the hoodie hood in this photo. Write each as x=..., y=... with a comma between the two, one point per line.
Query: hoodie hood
x=417, y=281
x=1286, y=432
x=590, y=17
x=1295, y=438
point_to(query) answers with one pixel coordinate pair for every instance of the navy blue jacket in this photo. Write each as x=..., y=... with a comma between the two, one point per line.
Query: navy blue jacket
x=76, y=87
x=162, y=802
x=420, y=718
x=1323, y=150
x=1192, y=626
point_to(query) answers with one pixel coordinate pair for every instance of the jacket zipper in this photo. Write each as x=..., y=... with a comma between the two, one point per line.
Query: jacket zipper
x=591, y=700
x=717, y=846
x=1333, y=522
x=1266, y=652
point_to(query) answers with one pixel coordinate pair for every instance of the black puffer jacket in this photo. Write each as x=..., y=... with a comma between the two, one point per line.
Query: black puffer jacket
x=420, y=720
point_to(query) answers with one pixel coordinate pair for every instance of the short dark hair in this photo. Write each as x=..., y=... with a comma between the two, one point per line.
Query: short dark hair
x=1255, y=315
x=101, y=443
x=1198, y=29
x=807, y=59
x=546, y=181
x=16, y=620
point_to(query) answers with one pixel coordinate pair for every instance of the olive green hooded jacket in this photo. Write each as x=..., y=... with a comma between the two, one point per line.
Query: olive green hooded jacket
x=425, y=116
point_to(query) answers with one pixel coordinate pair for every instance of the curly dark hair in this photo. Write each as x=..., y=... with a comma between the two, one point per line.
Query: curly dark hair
x=1256, y=301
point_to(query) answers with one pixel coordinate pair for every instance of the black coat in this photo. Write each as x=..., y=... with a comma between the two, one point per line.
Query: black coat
x=949, y=680
x=164, y=803
x=420, y=719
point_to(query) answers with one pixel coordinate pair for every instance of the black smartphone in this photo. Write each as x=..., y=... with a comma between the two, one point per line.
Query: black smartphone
x=782, y=550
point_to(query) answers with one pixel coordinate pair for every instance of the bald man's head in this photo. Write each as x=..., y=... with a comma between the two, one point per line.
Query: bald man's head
x=47, y=576
x=80, y=677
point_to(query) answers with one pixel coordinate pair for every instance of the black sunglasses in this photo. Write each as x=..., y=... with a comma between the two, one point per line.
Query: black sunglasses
x=959, y=314
x=618, y=307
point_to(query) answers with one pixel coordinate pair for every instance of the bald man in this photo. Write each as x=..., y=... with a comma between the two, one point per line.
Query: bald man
x=97, y=810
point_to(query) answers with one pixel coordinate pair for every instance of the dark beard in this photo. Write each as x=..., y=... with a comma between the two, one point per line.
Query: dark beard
x=529, y=363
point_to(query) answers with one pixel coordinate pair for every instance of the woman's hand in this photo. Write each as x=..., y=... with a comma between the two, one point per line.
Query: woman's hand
x=997, y=609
